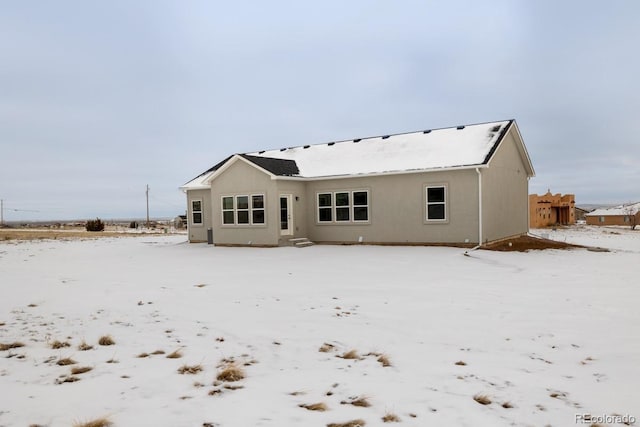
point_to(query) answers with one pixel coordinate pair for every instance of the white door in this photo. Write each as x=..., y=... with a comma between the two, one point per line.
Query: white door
x=286, y=215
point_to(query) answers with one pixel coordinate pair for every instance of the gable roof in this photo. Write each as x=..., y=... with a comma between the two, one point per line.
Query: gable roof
x=447, y=148
x=630, y=208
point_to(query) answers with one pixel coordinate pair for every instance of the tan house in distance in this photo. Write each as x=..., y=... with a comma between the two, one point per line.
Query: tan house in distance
x=628, y=215
x=551, y=209
x=463, y=185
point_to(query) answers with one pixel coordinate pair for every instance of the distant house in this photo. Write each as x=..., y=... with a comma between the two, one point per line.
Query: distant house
x=551, y=209
x=461, y=185
x=628, y=214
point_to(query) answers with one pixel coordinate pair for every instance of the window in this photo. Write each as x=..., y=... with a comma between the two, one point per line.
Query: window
x=196, y=211
x=436, y=203
x=243, y=210
x=343, y=207
x=601, y=219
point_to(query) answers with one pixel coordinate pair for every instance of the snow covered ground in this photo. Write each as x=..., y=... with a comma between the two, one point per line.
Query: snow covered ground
x=550, y=334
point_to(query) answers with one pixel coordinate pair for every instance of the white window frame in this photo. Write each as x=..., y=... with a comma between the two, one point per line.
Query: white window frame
x=250, y=210
x=444, y=203
x=193, y=212
x=351, y=206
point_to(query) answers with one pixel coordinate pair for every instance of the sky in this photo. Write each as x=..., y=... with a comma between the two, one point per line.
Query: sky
x=100, y=99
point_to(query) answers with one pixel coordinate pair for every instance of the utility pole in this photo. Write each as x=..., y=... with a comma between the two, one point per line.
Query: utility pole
x=147, y=192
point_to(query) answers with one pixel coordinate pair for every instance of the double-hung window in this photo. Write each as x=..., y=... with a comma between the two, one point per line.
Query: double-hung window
x=196, y=212
x=343, y=207
x=436, y=197
x=243, y=210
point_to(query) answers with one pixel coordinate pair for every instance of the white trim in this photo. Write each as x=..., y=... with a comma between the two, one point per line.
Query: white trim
x=350, y=206
x=191, y=212
x=289, y=229
x=445, y=203
x=480, y=207
x=249, y=210
x=228, y=164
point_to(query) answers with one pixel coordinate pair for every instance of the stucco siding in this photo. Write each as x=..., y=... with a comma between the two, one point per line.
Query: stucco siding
x=505, y=190
x=243, y=179
x=198, y=232
x=397, y=209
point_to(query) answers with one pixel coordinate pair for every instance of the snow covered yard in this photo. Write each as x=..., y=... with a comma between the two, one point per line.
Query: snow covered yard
x=544, y=335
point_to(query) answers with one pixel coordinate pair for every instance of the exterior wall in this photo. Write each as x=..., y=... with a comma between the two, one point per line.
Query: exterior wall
x=397, y=209
x=505, y=190
x=551, y=209
x=611, y=219
x=243, y=179
x=198, y=232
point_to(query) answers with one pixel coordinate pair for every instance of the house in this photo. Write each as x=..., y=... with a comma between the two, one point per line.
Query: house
x=551, y=209
x=456, y=186
x=628, y=215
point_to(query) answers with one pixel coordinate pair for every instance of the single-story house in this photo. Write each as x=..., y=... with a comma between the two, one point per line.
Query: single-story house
x=464, y=185
x=628, y=215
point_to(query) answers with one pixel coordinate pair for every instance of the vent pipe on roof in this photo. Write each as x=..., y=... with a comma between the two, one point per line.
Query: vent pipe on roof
x=357, y=140
x=306, y=146
x=427, y=131
x=283, y=149
x=460, y=127
x=331, y=143
x=260, y=152
x=385, y=137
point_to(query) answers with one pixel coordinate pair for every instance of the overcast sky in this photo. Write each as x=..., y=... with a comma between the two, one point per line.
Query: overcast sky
x=99, y=99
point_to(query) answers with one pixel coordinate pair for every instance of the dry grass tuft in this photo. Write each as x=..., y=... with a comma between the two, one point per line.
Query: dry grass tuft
x=80, y=370
x=326, y=348
x=351, y=354
x=186, y=369
x=507, y=405
x=482, y=399
x=69, y=379
x=9, y=346
x=84, y=346
x=214, y=392
x=142, y=355
x=230, y=374
x=233, y=387
x=390, y=418
x=174, y=354
x=353, y=423
x=383, y=359
x=357, y=401
x=320, y=406
x=158, y=352
x=113, y=360
x=66, y=361
x=59, y=344
x=98, y=422
x=461, y=363
x=106, y=340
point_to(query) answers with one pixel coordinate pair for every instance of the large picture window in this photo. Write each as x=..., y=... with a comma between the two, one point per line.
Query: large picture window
x=436, y=203
x=243, y=210
x=196, y=212
x=343, y=207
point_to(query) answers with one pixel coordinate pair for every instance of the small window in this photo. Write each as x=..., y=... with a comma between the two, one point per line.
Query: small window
x=325, y=207
x=343, y=207
x=361, y=206
x=242, y=209
x=228, y=216
x=257, y=209
x=601, y=219
x=196, y=211
x=436, y=203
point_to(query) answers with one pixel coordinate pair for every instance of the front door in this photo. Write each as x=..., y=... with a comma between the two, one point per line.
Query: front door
x=286, y=217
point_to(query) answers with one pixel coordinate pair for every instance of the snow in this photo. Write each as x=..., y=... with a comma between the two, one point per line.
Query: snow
x=616, y=210
x=440, y=148
x=527, y=325
x=417, y=151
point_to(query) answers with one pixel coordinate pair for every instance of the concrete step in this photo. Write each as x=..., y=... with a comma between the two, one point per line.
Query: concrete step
x=304, y=244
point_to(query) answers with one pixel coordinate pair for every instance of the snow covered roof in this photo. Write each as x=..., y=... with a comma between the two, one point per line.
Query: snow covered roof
x=461, y=146
x=629, y=208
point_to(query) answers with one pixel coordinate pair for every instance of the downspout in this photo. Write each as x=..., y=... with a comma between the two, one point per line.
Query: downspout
x=529, y=207
x=479, y=207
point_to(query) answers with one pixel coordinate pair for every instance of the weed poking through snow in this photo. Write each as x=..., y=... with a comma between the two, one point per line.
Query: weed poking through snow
x=106, y=340
x=189, y=369
x=59, y=344
x=98, y=422
x=390, y=418
x=230, y=373
x=66, y=361
x=174, y=355
x=353, y=423
x=9, y=346
x=482, y=399
x=80, y=370
x=314, y=406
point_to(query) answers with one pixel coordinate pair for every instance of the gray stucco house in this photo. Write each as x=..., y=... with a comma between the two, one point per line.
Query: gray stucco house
x=461, y=185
